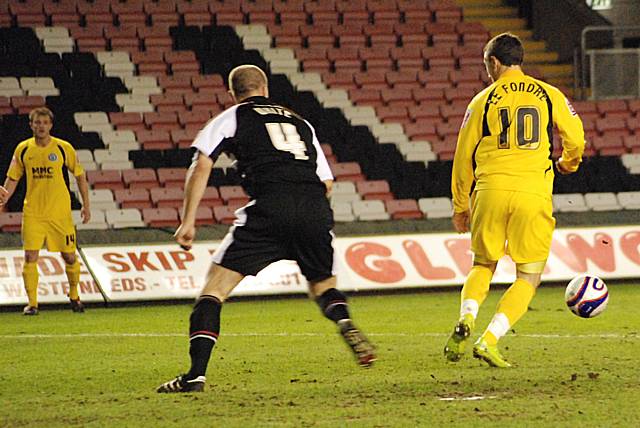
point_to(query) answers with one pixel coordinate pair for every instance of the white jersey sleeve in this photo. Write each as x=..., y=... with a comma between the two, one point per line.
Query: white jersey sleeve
x=322, y=169
x=217, y=129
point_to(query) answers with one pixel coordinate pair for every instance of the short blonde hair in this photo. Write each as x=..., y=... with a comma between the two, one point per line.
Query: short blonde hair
x=40, y=111
x=245, y=79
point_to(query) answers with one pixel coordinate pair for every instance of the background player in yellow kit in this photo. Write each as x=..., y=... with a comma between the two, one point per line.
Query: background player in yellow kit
x=44, y=160
x=502, y=183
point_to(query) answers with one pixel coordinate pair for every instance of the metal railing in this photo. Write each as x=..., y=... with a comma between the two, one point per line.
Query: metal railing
x=604, y=68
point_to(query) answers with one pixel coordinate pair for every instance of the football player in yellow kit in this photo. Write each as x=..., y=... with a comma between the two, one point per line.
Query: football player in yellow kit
x=45, y=160
x=501, y=183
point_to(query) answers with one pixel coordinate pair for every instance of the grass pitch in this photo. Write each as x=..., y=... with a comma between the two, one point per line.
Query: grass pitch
x=279, y=363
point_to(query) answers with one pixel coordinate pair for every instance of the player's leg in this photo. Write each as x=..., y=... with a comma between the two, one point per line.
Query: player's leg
x=488, y=234
x=529, y=234
x=33, y=238
x=61, y=237
x=333, y=304
x=204, y=328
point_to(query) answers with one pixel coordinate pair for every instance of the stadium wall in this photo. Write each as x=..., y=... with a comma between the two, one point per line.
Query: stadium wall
x=138, y=272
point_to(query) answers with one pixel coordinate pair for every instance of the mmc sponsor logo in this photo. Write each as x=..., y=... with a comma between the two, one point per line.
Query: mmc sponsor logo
x=42, y=171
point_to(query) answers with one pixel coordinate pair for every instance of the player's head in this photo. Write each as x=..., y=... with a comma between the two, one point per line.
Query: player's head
x=503, y=51
x=41, y=122
x=247, y=81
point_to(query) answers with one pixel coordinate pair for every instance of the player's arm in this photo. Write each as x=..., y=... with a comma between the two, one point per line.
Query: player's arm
x=462, y=174
x=83, y=187
x=571, y=131
x=7, y=190
x=208, y=145
x=15, y=172
x=322, y=165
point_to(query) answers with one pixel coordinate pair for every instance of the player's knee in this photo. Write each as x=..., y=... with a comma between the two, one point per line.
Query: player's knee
x=30, y=256
x=69, y=258
x=488, y=264
x=530, y=272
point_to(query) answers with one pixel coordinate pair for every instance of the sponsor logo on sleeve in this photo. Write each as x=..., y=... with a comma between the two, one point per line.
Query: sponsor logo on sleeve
x=571, y=109
x=467, y=115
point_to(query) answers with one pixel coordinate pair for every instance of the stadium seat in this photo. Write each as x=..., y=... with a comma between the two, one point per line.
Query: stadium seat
x=10, y=222
x=133, y=198
x=224, y=214
x=403, y=209
x=374, y=189
x=167, y=197
x=124, y=218
x=370, y=210
x=436, y=207
x=161, y=217
x=569, y=202
x=342, y=212
x=602, y=201
x=629, y=200
x=233, y=195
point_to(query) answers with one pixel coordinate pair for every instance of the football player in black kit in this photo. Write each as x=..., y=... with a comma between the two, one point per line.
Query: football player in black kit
x=288, y=178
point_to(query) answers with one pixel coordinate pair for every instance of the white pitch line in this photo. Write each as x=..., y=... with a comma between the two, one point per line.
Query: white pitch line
x=90, y=335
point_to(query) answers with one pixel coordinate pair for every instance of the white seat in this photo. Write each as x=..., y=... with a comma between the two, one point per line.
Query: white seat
x=91, y=118
x=90, y=166
x=43, y=92
x=342, y=212
x=54, y=44
x=131, y=99
x=103, y=155
x=629, y=200
x=602, y=201
x=283, y=66
x=9, y=83
x=256, y=41
x=106, y=57
x=141, y=82
x=440, y=207
x=57, y=48
x=52, y=32
x=102, y=199
x=242, y=30
x=569, y=202
x=118, y=66
x=345, y=198
x=121, y=164
x=96, y=222
x=342, y=187
x=122, y=136
x=123, y=218
x=278, y=54
x=370, y=210
x=84, y=155
x=414, y=147
x=138, y=108
x=28, y=83
x=145, y=92
x=359, y=112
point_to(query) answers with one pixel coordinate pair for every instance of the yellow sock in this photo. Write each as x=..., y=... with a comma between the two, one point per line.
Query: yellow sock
x=30, y=278
x=73, y=276
x=475, y=290
x=511, y=307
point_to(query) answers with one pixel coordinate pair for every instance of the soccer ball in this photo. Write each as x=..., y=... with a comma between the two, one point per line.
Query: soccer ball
x=586, y=296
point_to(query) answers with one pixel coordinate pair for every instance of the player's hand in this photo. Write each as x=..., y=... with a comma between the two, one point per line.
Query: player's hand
x=4, y=195
x=184, y=235
x=85, y=214
x=562, y=168
x=461, y=221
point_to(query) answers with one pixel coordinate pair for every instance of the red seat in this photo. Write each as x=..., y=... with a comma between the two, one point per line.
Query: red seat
x=105, y=179
x=126, y=120
x=161, y=217
x=392, y=113
x=339, y=79
x=429, y=112
x=233, y=195
x=612, y=125
x=429, y=94
x=403, y=209
x=445, y=130
x=421, y=131
x=611, y=106
x=397, y=97
x=133, y=198
x=140, y=178
x=347, y=171
x=23, y=105
x=224, y=214
x=211, y=197
x=365, y=97
x=208, y=81
x=161, y=121
x=374, y=189
x=10, y=222
x=171, y=177
x=204, y=215
x=405, y=79
x=183, y=138
x=165, y=100
x=154, y=140
x=167, y=197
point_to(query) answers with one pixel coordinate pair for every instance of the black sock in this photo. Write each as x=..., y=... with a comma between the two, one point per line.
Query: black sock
x=333, y=305
x=204, y=328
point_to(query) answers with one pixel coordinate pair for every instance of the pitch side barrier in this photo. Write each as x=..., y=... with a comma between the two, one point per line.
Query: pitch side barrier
x=159, y=272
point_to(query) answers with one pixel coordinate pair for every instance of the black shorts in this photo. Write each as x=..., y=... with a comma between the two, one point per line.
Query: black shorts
x=288, y=225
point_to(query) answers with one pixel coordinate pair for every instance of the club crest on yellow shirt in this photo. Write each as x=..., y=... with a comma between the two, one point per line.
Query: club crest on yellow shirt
x=53, y=157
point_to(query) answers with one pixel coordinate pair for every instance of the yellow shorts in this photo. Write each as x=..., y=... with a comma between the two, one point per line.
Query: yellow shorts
x=521, y=221
x=59, y=235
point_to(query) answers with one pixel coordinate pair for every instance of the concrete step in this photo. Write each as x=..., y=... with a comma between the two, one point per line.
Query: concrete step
x=540, y=57
x=525, y=35
x=556, y=70
x=531, y=46
x=479, y=3
x=489, y=12
x=501, y=24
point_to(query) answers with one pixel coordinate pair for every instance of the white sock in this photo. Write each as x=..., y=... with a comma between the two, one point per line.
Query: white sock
x=499, y=325
x=469, y=306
